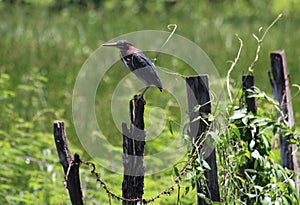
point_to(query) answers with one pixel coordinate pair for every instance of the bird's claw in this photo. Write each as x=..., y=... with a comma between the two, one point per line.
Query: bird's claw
x=139, y=97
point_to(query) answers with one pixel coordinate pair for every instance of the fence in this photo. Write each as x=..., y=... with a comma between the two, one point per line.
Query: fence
x=198, y=94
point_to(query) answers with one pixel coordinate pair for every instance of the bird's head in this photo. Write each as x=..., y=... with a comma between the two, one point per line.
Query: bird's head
x=121, y=44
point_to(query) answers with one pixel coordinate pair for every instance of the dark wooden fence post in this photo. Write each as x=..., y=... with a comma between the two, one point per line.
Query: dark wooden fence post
x=248, y=83
x=248, y=136
x=133, y=157
x=198, y=94
x=282, y=93
x=65, y=158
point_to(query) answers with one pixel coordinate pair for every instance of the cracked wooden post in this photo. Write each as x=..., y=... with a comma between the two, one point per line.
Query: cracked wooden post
x=133, y=154
x=281, y=91
x=65, y=158
x=198, y=94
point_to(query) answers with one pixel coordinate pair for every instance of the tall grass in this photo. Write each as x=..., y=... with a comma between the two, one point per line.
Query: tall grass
x=45, y=47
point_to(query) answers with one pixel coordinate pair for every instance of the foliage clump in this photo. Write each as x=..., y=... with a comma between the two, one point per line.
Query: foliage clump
x=250, y=171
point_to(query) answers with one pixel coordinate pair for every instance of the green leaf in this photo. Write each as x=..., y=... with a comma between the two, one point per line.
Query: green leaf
x=252, y=144
x=260, y=188
x=170, y=126
x=199, y=168
x=237, y=115
x=206, y=165
x=265, y=141
x=196, y=108
x=235, y=130
x=247, y=154
x=176, y=171
x=187, y=189
x=266, y=200
x=202, y=196
x=256, y=95
x=215, y=136
x=260, y=121
x=251, y=195
x=255, y=154
x=210, y=117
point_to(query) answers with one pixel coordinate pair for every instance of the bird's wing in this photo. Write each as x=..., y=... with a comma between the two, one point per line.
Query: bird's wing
x=127, y=60
x=136, y=60
x=142, y=67
x=145, y=69
x=140, y=60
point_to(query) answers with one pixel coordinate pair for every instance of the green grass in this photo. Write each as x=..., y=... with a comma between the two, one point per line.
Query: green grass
x=42, y=50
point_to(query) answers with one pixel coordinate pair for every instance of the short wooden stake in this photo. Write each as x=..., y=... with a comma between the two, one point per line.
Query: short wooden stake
x=65, y=158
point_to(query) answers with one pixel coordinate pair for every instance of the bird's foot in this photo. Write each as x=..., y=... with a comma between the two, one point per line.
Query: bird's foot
x=139, y=97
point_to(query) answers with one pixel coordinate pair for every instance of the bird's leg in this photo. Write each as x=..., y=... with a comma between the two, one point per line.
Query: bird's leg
x=141, y=96
x=144, y=91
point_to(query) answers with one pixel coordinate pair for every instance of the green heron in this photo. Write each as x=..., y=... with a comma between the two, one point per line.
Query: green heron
x=138, y=63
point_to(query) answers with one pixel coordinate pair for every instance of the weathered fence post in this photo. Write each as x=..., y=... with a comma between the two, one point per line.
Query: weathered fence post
x=133, y=157
x=248, y=83
x=65, y=158
x=198, y=95
x=282, y=93
x=248, y=136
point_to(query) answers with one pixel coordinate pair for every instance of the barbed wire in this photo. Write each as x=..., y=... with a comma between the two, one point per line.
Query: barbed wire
x=167, y=191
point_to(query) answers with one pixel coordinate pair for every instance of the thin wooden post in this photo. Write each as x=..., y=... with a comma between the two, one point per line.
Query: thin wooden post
x=248, y=83
x=133, y=157
x=282, y=93
x=248, y=136
x=65, y=158
x=198, y=94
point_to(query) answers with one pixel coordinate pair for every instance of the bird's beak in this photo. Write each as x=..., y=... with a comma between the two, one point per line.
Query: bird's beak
x=115, y=44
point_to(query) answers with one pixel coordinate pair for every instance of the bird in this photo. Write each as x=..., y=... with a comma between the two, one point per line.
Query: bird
x=138, y=63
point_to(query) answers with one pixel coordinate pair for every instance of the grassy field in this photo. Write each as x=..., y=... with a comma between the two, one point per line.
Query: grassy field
x=43, y=47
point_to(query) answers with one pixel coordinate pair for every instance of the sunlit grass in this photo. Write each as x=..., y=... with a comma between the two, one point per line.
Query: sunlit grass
x=44, y=44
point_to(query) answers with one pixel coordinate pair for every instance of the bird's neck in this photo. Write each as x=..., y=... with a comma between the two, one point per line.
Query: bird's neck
x=124, y=53
x=129, y=51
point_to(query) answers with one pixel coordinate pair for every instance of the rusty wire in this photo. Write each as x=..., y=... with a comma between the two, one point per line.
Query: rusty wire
x=167, y=191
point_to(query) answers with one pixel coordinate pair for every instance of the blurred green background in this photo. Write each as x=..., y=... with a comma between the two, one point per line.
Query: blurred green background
x=44, y=44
